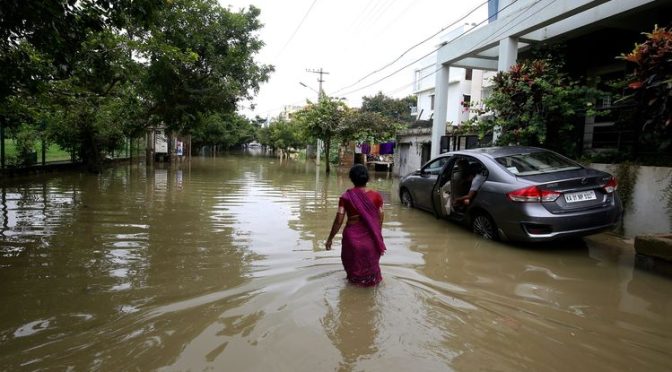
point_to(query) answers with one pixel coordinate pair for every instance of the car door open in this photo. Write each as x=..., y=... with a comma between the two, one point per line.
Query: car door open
x=441, y=192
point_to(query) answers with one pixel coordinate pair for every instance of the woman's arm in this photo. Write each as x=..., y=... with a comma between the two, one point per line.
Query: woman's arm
x=378, y=202
x=338, y=221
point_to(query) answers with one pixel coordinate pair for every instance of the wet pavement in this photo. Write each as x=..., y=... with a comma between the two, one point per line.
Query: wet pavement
x=218, y=263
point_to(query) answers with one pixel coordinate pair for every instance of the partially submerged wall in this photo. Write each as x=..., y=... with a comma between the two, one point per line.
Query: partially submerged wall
x=649, y=212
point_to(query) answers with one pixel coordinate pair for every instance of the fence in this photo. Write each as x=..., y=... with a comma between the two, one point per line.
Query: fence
x=48, y=154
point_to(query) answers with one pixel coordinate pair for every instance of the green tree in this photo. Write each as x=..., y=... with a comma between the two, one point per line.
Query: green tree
x=264, y=136
x=202, y=59
x=224, y=130
x=102, y=70
x=68, y=59
x=395, y=109
x=97, y=99
x=285, y=135
x=26, y=139
x=246, y=130
x=650, y=87
x=35, y=33
x=536, y=104
x=364, y=126
x=323, y=120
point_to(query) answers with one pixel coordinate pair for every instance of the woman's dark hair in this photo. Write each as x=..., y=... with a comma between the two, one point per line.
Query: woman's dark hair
x=359, y=175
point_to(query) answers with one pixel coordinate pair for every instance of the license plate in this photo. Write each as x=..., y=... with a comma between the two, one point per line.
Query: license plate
x=580, y=196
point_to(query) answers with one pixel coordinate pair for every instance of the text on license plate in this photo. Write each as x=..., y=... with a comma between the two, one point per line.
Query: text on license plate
x=580, y=196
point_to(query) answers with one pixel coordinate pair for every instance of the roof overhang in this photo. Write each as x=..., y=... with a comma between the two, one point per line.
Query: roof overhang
x=530, y=22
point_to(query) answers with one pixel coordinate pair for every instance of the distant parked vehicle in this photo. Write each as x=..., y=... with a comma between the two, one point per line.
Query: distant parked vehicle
x=529, y=194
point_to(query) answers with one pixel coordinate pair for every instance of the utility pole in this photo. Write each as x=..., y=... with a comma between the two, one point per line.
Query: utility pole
x=319, y=96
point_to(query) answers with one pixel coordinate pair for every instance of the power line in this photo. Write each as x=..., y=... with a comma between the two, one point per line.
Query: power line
x=407, y=85
x=319, y=80
x=502, y=31
x=401, y=14
x=386, y=7
x=387, y=76
x=297, y=27
x=360, y=15
x=483, y=42
x=424, y=56
x=416, y=45
x=355, y=28
x=512, y=25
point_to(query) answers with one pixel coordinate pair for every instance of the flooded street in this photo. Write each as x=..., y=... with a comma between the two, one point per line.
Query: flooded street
x=219, y=264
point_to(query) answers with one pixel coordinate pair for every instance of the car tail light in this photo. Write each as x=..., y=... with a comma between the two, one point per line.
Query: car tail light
x=533, y=194
x=611, y=185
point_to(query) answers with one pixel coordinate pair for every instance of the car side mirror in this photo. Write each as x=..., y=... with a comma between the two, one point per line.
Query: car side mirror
x=418, y=172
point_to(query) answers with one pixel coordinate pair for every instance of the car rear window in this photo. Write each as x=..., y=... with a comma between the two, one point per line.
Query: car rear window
x=536, y=163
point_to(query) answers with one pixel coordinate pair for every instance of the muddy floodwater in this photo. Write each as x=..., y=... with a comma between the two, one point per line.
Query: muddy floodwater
x=218, y=264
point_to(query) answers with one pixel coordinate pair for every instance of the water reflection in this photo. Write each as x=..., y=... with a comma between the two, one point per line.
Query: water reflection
x=154, y=243
x=351, y=325
x=218, y=263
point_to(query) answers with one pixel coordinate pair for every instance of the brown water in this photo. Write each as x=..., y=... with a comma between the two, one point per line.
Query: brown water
x=218, y=264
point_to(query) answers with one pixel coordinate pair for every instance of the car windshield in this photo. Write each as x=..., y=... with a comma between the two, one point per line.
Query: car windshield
x=536, y=163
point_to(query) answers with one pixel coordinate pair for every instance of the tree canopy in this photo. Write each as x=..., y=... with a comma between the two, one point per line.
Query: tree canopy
x=650, y=87
x=87, y=74
x=535, y=103
x=331, y=120
x=283, y=135
x=222, y=130
x=201, y=59
x=323, y=120
x=395, y=109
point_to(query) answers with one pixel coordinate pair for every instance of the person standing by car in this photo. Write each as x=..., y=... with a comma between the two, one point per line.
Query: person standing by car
x=363, y=242
x=477, y=178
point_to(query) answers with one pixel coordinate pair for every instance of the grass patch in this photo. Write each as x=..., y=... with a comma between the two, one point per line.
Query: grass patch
x=56, y=153
x=53, y=153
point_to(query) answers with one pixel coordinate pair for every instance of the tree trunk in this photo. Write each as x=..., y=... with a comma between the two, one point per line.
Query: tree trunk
x=149, y=146
x=89, y=152
x=327, y=147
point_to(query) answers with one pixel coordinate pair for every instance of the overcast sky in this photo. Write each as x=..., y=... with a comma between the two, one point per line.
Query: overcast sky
x=349, y=39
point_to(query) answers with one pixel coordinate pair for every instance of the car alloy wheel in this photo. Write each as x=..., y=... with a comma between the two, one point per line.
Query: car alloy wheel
x=406, y=199
x=483, y=225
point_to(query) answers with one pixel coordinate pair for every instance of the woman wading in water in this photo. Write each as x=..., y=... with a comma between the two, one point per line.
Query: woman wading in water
x=362, y=243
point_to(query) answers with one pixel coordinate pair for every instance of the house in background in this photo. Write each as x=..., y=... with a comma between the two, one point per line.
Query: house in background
x=413, y=147
x=466, y=86
x=288, y=112
x=594, y=32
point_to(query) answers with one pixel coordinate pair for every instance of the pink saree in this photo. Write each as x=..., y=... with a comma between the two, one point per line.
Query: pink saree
x=362, y=241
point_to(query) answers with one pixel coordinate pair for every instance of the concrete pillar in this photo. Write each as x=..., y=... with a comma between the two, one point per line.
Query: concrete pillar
x=508, y=53
x=440, y=107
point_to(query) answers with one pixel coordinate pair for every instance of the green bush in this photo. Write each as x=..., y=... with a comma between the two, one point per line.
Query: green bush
x=26, y=138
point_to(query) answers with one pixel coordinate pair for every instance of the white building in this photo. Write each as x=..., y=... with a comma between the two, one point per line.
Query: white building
x=595, y=30
x=288, y=111
x=465, y=86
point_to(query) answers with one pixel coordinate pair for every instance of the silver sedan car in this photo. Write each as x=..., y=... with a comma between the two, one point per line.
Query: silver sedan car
x=520, y=193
